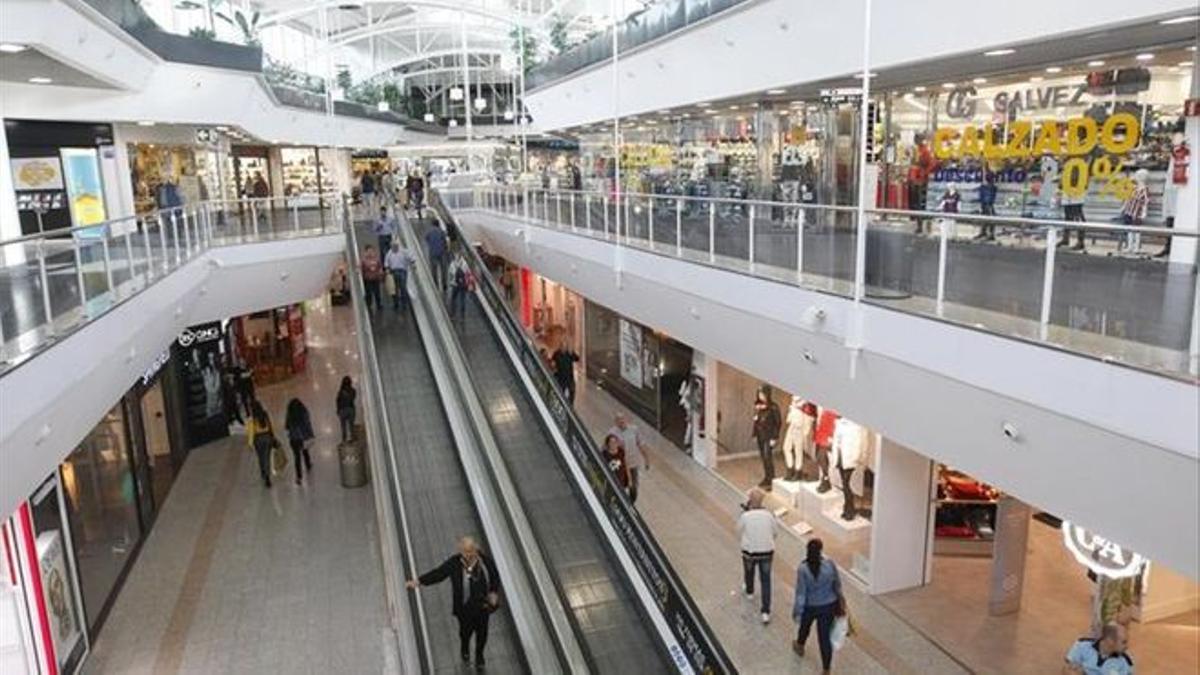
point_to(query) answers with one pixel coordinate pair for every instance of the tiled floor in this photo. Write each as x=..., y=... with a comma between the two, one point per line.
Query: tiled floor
x=235, y=578
x=692, y=514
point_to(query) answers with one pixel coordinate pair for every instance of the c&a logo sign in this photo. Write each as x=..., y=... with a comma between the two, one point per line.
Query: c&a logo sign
x=1100, y=555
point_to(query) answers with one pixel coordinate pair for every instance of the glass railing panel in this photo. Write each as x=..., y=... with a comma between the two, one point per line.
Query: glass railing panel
x=662, y=216
x=637, y=213
x=733, y=230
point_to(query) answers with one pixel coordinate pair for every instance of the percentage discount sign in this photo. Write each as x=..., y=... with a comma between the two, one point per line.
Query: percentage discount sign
x=1114, y=181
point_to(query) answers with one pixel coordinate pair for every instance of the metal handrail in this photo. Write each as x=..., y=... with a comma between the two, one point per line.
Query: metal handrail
x=696, y=646
x=366, y=342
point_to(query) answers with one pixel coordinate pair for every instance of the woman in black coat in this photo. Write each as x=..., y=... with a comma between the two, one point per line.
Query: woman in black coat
x=300, y=432
x=475, y=587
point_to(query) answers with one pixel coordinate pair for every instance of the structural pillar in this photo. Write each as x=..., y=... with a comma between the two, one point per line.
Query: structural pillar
x=902, y=519
x=10, y=221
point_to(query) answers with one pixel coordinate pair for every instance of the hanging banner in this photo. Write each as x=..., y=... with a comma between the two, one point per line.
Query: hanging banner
x=630, y=339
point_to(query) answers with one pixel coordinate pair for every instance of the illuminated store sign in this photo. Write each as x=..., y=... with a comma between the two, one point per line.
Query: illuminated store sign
x=190, y=336
x=1100, y=555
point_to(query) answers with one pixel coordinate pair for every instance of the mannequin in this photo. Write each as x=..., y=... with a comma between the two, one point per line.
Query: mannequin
x=822, y=440
x=1133, y=211
x=689, y=400
x=798, y=441
x=849, y=450
x=766, y=433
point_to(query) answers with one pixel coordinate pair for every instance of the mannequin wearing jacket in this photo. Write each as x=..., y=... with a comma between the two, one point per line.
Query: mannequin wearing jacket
x=823, y=439
x=798, y=440
x=766, y=433
x=849, y=451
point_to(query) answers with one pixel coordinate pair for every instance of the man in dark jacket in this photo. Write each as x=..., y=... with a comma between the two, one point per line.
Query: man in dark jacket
x=475, y=588
x=766, y=431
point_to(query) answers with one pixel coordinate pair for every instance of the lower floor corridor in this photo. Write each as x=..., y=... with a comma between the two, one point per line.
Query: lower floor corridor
x=236, y=578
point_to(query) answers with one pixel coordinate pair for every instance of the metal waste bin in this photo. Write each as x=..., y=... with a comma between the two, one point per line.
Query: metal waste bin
x=352, y=461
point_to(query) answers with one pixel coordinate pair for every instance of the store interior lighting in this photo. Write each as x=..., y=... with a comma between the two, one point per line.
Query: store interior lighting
x=509, y=115
x=40, y=80
x=948, y=85
x=11, y=48
x=1095, y=64
x=776, y=92
x=1036, y=78
x=1145, y=57
x=999, y=52
x=1054, y=69
x=428, y=117
x=980, y=80
x=918, y=89
x=453, y=123
x=456, y=94
x=145, y=123
x=480, y=103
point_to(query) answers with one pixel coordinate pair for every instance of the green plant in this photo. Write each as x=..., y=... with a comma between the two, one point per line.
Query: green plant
x=528, y=50
x=248, y=26
x=202, y=33
x=558, y=34
x=343, y=80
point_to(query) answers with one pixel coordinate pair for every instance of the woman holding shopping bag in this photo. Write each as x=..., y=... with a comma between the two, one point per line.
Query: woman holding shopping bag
x=818, y=599
x=261, y=438
x=300, y=433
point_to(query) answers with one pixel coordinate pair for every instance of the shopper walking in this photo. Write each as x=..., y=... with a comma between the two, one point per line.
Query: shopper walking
x=397, y=263
x=460, y=285
x=818, y=599
x=756, y=529
x=385, y=227
x=635, y=451
x=300, y=433
x=475, y=593
x=1104, y=655
x=347, y=399
x=245, y=388
x=260, y=436
x=564, y=359
x=614, y=456
x=767, y=422
x=435, y=245
x=367, y=186
x=372, y=276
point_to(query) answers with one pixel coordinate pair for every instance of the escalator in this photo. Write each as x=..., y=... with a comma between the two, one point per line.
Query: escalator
x=627, y=607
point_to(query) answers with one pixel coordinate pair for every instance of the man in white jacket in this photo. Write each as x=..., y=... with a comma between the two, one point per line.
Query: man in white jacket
x=756, y=529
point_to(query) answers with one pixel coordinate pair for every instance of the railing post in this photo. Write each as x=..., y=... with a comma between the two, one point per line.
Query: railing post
x=296, y=215
x=46, y=308
x=162, y=239
x=943, y=246
x=650, y=221
x=604, y=203
x=187, y=236
x=149, y=250
x=254, y=216
x=545, y=206
x=587, y=212
x=108, y=275
x=1048, y=283
x=558, y=207
x=129, y=251
x=525, y=202
x=571, y=205
x=751, y=229
x=175, y=235
x=800, y=218
x=712, y=231
x=679, y=227
x=79, y=275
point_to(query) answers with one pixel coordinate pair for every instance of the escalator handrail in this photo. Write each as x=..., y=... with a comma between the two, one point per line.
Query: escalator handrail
x=701, y=648
x=525, y=551
x=376, y=410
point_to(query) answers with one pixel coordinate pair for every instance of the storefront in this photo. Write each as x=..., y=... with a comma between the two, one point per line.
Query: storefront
x=374, y=161
x=158, y=453
x=167, y=174
x=304, y=176
x=271, y=343
x=194, y=385
x=250, y=172
x=64, y=173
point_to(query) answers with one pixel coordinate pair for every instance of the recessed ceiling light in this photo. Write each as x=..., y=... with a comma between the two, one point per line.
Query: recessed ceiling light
x=999, y=52
x=1186, y=64
x=1036, y=78
x=918, y=89
x=1054, y=69
x=1179, y=19
x=948, y=85
x=1095, y=64
x=1145, y=57
x=146, y=123
x=1192, y=48
x=859, y=76
x=776, y=92
x=980, y=80
x=12, y=48
x=221, y=127
x=733, y=107
x=40, y=80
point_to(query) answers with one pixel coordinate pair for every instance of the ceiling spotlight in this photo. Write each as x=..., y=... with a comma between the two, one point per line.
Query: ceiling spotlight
x=999, y=52
x=146, y=123
x=918, y=89
x=221, y=127
x=1054, y=69
x=453, y=123
x=776, y=92
x=11, y=48
x=1186, y=64
x=1095, y=64
x=1036, y=78
x=480, y=103
x=980, y=80
x=509, y=115
x=859, y=76
x=1147, y=56
x=733, y=107
x=948, y=85
x=428, y=117
x=1179, y=19
x=40, y=80
x=456, y=94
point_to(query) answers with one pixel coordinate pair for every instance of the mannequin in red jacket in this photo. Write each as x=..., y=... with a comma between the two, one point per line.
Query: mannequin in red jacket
x=823, y=440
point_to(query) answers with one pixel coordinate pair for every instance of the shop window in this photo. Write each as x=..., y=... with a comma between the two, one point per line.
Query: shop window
x=57, y=567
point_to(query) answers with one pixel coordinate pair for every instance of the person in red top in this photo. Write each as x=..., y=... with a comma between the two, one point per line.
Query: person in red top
x=614, y=456
x=823, y=440
x=372, y=276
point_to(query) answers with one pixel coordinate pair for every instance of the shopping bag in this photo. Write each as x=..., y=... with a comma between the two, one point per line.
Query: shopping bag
x=840, y=631
x=279, y=460
x=389, y=284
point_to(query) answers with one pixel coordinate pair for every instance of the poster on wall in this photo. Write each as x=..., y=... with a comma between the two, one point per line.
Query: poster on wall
x=57, y=594
x=198, y=363
x=85, y=190
x=36, y=173
x=631, y=352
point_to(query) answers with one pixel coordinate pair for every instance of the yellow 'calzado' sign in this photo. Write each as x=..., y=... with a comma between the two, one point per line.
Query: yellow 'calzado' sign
x=1118, y=135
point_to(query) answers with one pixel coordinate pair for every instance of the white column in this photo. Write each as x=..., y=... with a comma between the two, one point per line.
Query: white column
x=704, y=444
x=10, y=221
x=1187, y=197
x=902, y=518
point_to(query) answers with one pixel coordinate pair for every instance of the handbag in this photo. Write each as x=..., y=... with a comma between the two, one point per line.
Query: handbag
x=389, y=284
x=279, y=460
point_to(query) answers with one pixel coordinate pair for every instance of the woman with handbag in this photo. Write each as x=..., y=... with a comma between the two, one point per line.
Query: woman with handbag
x=818, y=598
x=300, y=432
x=261, y=438
x=475, y=588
